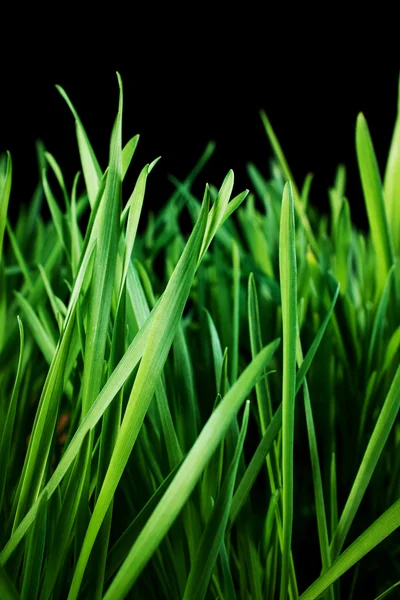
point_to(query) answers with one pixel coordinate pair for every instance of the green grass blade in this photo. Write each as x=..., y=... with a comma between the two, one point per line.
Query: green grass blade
x=288, y=279
x=236, y=311
x=255, y=466
x=64, y=527
x=187, y=476
x=289, y=177
x=217, y=212
x=44, y=426
x=91, y=169
x=104, y=269
x=43, y=340
x=135, y=204
x=5, y=191
x=392, y=184
x=121, y=548
x=127, y=154
x=8, y=429
x=316, y=473
x=305, y=365
x=388, y=591
x=370, y=459
x=108, y=393
x=213, y=535
x=367, y=541
x=216, y=349
x=374, y=202
x=35, y=554
x=155, y=354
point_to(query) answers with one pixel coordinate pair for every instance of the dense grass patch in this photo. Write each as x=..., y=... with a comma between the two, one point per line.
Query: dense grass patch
x=211, y=415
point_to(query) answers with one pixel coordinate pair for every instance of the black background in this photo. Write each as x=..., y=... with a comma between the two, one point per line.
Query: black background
x=182, y=90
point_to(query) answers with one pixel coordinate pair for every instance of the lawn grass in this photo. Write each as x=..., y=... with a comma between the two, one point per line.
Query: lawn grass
x=204, y=414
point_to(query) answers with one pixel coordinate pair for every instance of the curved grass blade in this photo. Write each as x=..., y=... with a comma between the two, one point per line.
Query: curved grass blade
x=288, y=281
x=305, y=365
x=369, y=461
x=392, y=183
x=183, y=484
x=216, y=349
x=122, y=546
x=236, y=312
x=160, y=338
x=374, y=202
x=213, y=535
x=367, y=541
x=92, y=172
x=255, y=465
x=289, y=177
x=388, y=591
x=35, y=554
x=7, y=432
x=5, y=191
x=108, y=393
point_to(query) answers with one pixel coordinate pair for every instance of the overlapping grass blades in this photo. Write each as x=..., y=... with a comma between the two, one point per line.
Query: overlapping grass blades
x=124, y=469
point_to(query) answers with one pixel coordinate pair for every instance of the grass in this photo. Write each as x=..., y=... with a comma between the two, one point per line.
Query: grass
x=154, y=443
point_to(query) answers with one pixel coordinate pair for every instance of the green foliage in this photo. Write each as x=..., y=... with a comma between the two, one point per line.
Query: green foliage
x=128, y=467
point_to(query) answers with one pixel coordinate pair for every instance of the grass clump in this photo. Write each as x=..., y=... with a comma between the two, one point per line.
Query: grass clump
x=224, y=426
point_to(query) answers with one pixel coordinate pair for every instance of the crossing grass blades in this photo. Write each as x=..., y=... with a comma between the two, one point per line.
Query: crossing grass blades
x=223, y=427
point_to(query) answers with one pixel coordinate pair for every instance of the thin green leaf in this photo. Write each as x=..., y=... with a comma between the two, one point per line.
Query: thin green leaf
x=370, y=459
x=288, y=280
x=5, y=191
x=187, y=476
x=211, y=540
x=367, y=541
x=374, y=202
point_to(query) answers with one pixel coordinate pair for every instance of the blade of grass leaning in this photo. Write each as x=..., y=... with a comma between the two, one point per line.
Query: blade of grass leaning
x=5, y=191
x=235, y=311
x=257, y=462
x=216, y=349
x=107, y=394
x=288, y=280
x=158, y=344
x=64, y=527
x=316, y=475
x=103, y=269
x=289, y=177
x=122, y=546
x=369, y=461
x=392, y=183
x=217, y=213
x=100, y=300
x=42, y=434
x=111, y=388
x=367, y=541
x=388, y=591
x=91, y=169
x=213, y=534
x=305, y=365
x=375, y=343
x=7, y=432
x=35, y=553
x=275, y=424
x=374, y=202
x=183, y=484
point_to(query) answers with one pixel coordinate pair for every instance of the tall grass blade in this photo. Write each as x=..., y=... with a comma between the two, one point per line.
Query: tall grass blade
x=184, y=482
x=288, y=279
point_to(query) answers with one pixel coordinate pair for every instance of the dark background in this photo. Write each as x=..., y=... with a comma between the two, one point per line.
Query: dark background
x=179, y=96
